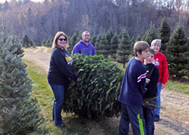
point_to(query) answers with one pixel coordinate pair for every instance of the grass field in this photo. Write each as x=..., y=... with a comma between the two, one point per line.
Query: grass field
x=178, y=87
x=74, y=125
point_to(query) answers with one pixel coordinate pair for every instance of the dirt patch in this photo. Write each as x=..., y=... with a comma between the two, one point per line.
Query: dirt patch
x=40, y=56
x=174, y=119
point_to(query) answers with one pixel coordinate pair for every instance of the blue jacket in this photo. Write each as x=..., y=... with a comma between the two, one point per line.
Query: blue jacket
x=82, y=48
x=153, y=75
x=60, y=68
x=133, y=84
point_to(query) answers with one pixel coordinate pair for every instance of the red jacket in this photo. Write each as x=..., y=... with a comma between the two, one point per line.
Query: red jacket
x=161, y=62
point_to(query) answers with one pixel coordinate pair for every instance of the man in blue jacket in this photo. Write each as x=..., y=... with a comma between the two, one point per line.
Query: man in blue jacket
x=84, y=46
x=132, y=91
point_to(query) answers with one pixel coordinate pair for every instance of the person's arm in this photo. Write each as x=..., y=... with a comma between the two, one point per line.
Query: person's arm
x=153, y=81
x=141, y=79
x=63, y=66
x=142, y=83
x=165, y=72
x=76, y=50
x=93, y=53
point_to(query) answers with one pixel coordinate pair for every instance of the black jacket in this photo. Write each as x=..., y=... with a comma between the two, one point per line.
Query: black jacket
x=153, y=75
x=60, y=68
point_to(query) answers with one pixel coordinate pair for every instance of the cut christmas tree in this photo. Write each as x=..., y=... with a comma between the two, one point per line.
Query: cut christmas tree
x=96, y=95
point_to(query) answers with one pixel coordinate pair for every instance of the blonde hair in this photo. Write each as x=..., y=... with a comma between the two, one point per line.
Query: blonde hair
x=55, y=40
x=140, y=46
x=156, y=41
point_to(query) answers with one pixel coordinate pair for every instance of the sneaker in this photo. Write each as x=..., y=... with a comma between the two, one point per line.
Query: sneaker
x=61, y=126
x=156, y=118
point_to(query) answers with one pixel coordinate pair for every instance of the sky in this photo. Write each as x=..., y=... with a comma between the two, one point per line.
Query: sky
x=2, y=1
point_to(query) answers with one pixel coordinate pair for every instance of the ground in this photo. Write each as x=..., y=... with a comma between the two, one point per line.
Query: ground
x=174, y=119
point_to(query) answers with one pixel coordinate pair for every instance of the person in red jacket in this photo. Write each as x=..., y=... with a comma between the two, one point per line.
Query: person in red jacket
x=161, y=62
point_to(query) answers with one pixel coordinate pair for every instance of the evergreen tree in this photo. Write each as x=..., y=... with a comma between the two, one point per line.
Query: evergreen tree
x=69, y=48
x=98, y=38
x=29, y=11
x=14, y=44
x=109, y=35
x=32, y=43
x=178, y=62
x=27, y=42
x=49, y=43
x=43, y=43
x=164, y=33
x=93, y=40
x=120, y=36
x=73, y=41
x=103, y=46
x=22, y=21
x=138, y=38
x=150, y=34
x=30, y=17
x=114, y=46
x=124, y=48
x=96, y=94
x=132, y=44
x=132, y=41
x=19, y=113
x=78, y=37
x=5, y=5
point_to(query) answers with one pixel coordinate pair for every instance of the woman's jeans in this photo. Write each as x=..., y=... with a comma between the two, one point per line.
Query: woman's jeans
x=158, y=100
x=58, y=91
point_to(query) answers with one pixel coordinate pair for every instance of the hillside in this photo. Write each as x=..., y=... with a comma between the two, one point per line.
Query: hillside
x=40, y=21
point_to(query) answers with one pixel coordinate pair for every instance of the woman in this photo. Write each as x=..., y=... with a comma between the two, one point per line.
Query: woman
x=59, y=74
x=161, y=62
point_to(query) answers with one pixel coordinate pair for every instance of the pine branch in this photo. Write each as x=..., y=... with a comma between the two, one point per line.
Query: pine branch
x=150, y=103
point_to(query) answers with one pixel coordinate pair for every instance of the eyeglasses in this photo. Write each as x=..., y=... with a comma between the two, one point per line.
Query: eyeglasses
x=156, y=45
x=61, y=39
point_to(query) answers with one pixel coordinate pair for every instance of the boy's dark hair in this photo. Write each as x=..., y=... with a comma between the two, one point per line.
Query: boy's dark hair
x=140, y=46
x=152, y=51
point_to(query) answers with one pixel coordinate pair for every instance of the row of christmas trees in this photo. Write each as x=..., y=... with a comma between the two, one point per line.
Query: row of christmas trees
x=119, y=46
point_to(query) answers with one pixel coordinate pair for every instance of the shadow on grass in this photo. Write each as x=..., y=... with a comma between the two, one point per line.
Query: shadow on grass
x=84, y=126
x=76, y=125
